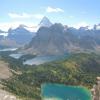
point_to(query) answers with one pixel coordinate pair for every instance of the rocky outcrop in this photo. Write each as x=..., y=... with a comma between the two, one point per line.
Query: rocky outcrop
x=5, y=73
x=96, y=90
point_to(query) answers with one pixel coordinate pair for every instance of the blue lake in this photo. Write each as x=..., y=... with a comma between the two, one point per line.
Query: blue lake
x=16, y=55
x=62, y=92
x=8, y=49
x=43, y=59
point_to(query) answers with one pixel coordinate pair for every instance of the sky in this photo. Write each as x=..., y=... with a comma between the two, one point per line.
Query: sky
x=30, y=12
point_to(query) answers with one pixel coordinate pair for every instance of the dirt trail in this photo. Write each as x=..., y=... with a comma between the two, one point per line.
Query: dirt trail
x=4, y=70
x=4, y=74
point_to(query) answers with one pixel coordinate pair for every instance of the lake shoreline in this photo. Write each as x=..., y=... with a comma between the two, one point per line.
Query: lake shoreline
x=45, y=86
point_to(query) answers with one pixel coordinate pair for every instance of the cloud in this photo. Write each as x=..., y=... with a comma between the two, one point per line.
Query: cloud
x=6, y=25
x=51, y=9
x=81, y=24
x=24, y=16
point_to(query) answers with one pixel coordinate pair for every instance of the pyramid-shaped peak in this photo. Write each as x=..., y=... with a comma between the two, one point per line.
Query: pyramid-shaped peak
x=45, y=22
x=45, y=18
x=21, y=26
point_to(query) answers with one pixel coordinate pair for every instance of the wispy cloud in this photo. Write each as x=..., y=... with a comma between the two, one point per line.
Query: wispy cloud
x=38, y=16
x=81, y=24
x=52, y=9
x=25, y=16
x=6, y=25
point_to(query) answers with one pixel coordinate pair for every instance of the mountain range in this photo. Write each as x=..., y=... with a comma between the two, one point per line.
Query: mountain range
x=59, y=39
x=51, y=39
x=21, y=35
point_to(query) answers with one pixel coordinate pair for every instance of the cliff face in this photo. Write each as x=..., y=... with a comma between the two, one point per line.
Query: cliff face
x=96, y=90
x=57, y=39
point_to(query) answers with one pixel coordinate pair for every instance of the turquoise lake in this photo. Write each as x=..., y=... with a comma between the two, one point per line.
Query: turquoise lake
x=62, y=92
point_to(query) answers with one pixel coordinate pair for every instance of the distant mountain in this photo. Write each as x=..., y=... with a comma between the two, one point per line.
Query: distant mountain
x=2, y=31
x=53, y=39
x=58, y=39
x=20, y=35
x=1, y=37
x=5, y=42
x=97, y=27
x=15, y=37
x=45, y=22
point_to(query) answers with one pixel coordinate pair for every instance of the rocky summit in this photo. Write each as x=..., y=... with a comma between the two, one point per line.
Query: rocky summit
x=59, y=39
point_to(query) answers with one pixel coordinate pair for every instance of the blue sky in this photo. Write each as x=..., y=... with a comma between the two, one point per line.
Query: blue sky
x=69, y=12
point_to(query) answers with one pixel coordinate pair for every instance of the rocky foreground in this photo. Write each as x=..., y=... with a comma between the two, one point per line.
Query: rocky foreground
x=96, y=90
x=6, y=95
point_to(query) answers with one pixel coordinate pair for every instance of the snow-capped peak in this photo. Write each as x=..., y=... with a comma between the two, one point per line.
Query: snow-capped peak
x=45, y=22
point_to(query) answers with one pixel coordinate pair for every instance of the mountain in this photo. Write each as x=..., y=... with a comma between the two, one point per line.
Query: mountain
x=58, y=39
x=97, y=27
x=2, y=31
x=45, y=22
x=48, y=40
x=1, y=37
x=52, y=40
x=5, y=42
x=20, y=35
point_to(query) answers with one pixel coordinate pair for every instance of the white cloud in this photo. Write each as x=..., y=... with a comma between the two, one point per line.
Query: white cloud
x=24, y=16
x=6, y=25
x=20, y=19
x=51, y=9
x=81, y=24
